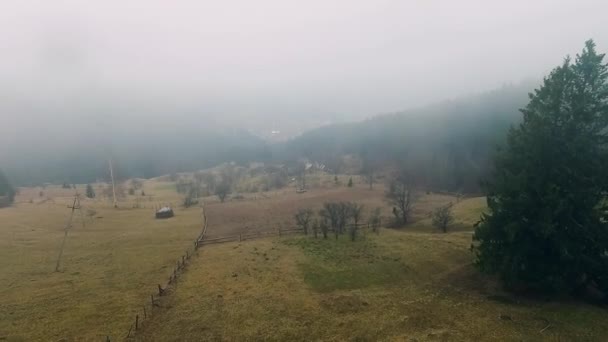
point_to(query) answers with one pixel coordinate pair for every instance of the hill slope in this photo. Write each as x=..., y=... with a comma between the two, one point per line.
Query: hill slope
x=394, y=286
x=445, y=146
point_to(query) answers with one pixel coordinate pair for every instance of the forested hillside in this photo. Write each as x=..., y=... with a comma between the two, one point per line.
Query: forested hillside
x=445, y=146
x=161, y=153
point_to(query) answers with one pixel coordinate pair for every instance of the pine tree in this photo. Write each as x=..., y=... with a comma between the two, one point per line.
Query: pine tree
x=350, y=182
x=546, y=229
x=90, y=193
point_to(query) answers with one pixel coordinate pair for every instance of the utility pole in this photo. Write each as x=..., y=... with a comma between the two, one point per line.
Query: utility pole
x=68, y=225
x=113, y=189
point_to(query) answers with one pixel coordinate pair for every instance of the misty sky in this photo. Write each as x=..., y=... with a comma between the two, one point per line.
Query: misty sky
x=268, y=63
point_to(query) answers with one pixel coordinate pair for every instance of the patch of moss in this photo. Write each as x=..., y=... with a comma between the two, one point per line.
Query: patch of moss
x=345, y=265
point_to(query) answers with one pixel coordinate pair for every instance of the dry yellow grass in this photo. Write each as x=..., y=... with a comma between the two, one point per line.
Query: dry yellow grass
x=411, y=284
x=109, y=268
x=394, y=286
x=414, y=283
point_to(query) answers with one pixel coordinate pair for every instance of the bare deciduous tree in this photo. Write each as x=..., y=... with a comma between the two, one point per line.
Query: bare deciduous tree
x=399, y=194
x=222, y=190
x=301, y=172
x=368, y=171
x=210, y=180
x=375, y=220
x=356, y=212
x=315, y=228
x=324, y=227
x=191, y=197
x=330, y=213
x=224, y=187
x=136, y=184
x=442, y=217
x=344, y=215
x=303, y=218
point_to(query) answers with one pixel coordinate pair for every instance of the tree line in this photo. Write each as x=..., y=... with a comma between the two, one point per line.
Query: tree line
x=447, y=146
x=338, y=218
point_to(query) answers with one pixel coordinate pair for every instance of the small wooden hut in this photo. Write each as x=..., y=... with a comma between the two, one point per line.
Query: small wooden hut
x=164, y=212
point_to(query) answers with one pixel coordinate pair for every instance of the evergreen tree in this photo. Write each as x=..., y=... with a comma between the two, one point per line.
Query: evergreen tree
x=350, y=182
x=90, y=193
x=6, y=191
x=546, y=229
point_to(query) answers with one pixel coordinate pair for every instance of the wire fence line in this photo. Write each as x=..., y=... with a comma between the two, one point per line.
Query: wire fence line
x=147, y=309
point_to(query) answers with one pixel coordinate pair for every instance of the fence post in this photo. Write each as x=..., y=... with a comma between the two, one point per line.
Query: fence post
x=136, y=322
x=160, y=292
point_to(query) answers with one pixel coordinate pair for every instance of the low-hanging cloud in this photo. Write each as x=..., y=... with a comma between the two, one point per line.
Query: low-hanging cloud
x=73, y=68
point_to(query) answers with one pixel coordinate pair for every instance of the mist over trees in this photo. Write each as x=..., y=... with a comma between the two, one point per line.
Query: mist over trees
x=139, y=155
x=446, y=146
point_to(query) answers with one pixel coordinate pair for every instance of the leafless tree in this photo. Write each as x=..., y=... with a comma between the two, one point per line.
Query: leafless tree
x=136, y=184
x=315, y=228
x=191, y=197
x=356, y=211
x=442, y=217
x=368, y=170
x=374, y=219
x=301, y=172
x=222, y=190
x=209, y=179
x=324, y=227
x=400, y=196
x=344, y=215
x=303, y=218
x=331, y=216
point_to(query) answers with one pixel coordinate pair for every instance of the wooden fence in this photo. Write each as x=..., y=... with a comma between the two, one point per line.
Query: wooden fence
x=249, y=236
x=149, y=307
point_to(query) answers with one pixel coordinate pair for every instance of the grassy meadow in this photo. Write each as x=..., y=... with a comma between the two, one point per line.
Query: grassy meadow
x=414, y=283
x=109, y=267
x=398, y=285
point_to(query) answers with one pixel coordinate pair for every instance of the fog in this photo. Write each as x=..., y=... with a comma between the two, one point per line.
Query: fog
x=77, y=72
